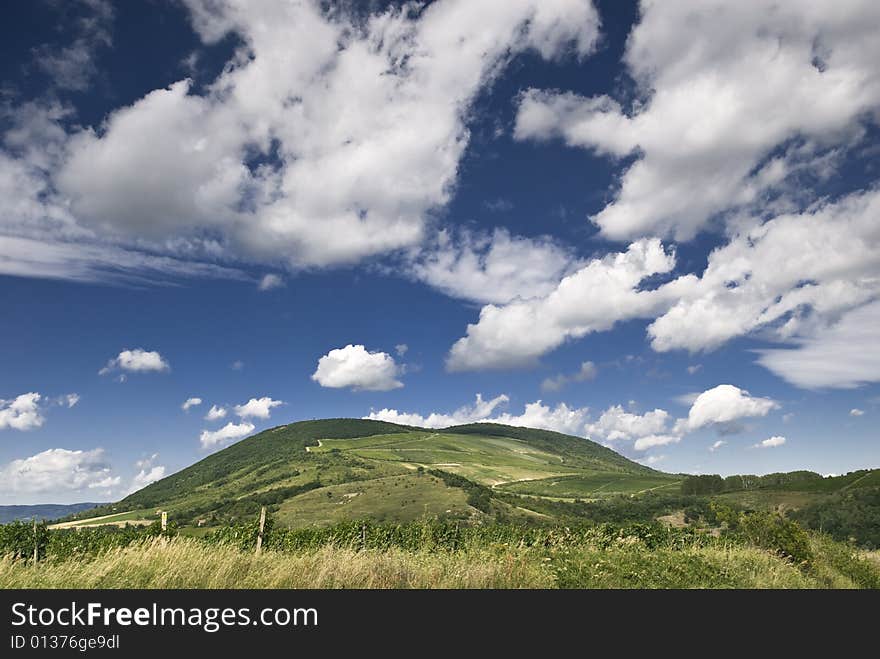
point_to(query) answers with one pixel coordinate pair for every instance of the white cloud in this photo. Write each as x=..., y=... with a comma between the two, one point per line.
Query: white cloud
x=592, y=299
x=561, y=418
x=401, y=349
x=375, y=103
x=237, y=365
x=722, y=407
x=58, y=471
x=22, y=412
x=843, y=355
x=616, y=424
x=71, y=399
x=136, y=361
x=799, y=78
x=492, y=268
x=480, y=410
x=230, y=432
x=215, y=413
x=356, y=368
x=587, y=371
x=259, y=408
x=146, y=463
x=190, y=402
x=694, y=369
x=650, y=441
x=856, y=412
x=652, y=459
x=270, y=281
x=717, y=445
x=758, y=282
x=72, y=67
x=771, y=442
x=145, y=477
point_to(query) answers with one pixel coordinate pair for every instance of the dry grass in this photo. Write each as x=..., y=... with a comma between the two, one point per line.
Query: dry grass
x=184, y=563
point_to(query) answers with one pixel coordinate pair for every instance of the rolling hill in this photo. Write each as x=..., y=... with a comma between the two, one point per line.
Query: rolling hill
x=319, y=472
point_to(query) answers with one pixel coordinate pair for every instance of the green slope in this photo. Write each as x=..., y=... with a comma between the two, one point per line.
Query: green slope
x=320, y=472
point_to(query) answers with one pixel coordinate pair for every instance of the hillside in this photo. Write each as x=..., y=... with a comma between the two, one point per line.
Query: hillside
x=320, y=472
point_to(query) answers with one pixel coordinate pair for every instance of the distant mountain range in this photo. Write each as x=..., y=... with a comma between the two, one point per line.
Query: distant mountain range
x=42, y=511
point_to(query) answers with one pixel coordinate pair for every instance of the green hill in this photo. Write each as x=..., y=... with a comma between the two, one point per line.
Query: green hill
x=321, y=472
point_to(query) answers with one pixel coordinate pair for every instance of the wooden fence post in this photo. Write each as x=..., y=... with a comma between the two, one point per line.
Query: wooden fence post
x=164, y=521
x=262, y=527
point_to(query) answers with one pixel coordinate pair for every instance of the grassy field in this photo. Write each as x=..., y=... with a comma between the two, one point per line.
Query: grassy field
x=488, y=460
x=189, y=563
x=402, y=498
x=593, y=485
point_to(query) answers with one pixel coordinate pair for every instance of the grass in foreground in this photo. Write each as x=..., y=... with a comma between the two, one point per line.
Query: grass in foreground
x=189, y=563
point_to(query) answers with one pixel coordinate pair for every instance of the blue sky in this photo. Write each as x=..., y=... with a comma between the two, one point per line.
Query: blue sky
x=652, y=226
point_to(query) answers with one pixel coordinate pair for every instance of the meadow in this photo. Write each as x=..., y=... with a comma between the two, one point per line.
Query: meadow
x=757, y=551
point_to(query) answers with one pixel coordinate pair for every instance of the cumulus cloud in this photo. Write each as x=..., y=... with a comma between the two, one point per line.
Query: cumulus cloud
x=401, y=349
x=136, y=361
x=616, y=424
x=145, y=477
x=771, y=442
x=856, y=412
x=493, y=267
x=149, y=472
x=481, y=409
x=755, y=98
x=561, y=418
x=722, y=407
x=759, y=282
x=842, y=355
x=215, y=413
x=645, y=431
x=259, y=408
x=228, y=433
x=58, y=471
x=270, y=281
x=587, y=371
x=596, y=297
x=71, y=399
x=375, y=101
x=356, y=368
x=22, y=412
x=190, y=402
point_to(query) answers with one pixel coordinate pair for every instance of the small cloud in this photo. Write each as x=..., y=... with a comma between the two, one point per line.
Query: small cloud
x=856, y=412
x=696, y=368
x=215, y=413
x=136, y=361
x=356, y=368
x=22, y=412
x=190, y=402
x=257, y=407
x=653, y=459
x=717, y=445
x=401, y=349
x=771, y=442
x=499, y=205
x=71, y=400
x=587, y=371
x=787, y=417
x=230, y=432
x=237, y=365
x=270, y=281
